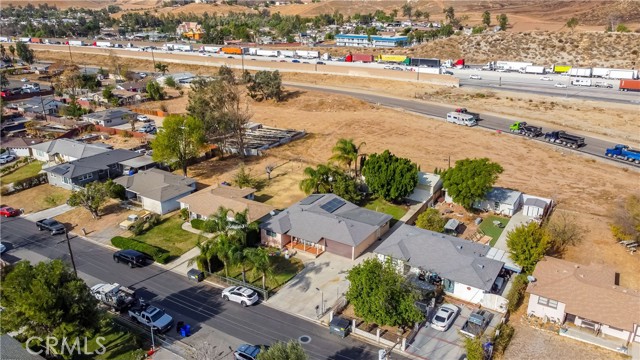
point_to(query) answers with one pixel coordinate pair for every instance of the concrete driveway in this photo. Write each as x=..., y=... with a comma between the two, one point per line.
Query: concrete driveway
x=322, y=280
x=433, y=344
x=48, y=213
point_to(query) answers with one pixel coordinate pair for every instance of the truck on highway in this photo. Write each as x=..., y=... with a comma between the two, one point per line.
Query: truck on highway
x=269, y=53
x=54, y=226
x=116, y=296
x=103, y=44
x=624, y=152
x=477, y=323
x=511, y=65
x=583, y=72
x=533, y=70
x=36, y=40
x=600, y=72
x=287, y=53
x=75, y=43
x=24, y=39
x=425, y=62
x=603, y=84
x=209, y=49
x=522, y=128
x=398, y=59
x=560, y=69
x=359, y=58
x=581, y=82
x=308, y=54
x=623, y=74
x=151, y=316
x=454, y=64
x=476, y=116
x=629, y=85
x=563, y=138
x=234, y=50
x=428, y=70
x=461, y=119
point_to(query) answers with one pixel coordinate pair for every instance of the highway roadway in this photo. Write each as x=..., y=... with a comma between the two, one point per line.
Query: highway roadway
x=199, y=305
x=594, y=146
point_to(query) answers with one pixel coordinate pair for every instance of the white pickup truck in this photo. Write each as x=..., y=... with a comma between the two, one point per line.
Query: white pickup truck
x=152, y=317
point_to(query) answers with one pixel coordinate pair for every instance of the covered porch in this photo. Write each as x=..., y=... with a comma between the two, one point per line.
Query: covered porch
x=308, y=247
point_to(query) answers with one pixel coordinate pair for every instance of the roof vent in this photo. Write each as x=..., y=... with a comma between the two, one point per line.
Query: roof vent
x=459, y=247
x=481, y=266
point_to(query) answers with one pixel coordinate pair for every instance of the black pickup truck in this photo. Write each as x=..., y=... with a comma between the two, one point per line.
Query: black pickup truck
x=52, y=225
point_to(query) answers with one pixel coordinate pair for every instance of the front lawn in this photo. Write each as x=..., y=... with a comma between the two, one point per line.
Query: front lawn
x=168, y=235
x=383, y=206
x=489, y=229
x=283, y=271
x=121, y=343
x=37, y=198
x=29, y=170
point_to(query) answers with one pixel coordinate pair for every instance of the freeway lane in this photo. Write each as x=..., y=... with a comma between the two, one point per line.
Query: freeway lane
x=595, y=146
x=197, y=304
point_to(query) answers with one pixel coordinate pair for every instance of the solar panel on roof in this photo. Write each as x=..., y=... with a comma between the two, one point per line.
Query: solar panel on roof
x=310, y=199
x=332, y=205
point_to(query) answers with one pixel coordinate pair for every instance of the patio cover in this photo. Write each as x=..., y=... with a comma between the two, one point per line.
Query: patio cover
x=501, y=255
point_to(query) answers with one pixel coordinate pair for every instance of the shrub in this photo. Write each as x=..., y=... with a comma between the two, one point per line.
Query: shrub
x=514, y=297
x=197, y=224
x=505, y=333
x=138, y=228
x=159, y=255
x=184, y=213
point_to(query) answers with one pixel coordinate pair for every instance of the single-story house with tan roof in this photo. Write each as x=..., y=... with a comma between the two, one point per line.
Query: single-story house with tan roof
x=157, y=190
x=206, y=202
x=587, y=296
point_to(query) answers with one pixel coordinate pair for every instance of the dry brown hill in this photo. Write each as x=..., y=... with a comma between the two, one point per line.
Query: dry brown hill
x=199, y=9
x=544, y=48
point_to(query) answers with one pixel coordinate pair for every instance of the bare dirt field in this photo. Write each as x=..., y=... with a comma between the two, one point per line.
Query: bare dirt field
x=110, y=215
x=37, y=198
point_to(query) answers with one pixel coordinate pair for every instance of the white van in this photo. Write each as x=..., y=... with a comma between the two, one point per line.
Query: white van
x=581, y=82
x=461, y=119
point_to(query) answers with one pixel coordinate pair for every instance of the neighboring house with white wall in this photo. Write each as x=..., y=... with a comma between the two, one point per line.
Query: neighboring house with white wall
x=427, y=190
x=66, y=150
x=587, y=296
x=466, y=271
x=500, y=201
x=206, y=202
x=157, y=190
x=19, y=146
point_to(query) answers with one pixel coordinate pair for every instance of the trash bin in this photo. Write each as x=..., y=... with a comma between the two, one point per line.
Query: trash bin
x=187, y=330
x=195, y=275
x=339, y=326
x=179, y=326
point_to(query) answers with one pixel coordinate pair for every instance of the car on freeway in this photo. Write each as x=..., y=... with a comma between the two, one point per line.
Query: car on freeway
x=142, y=75
x=475, y=77
x=143, y=118
x=132, y=258
x=283, y=60
x=229, y=57
x=445, y=317
x=305, y=62
x=320, y=63
x=24, y=80
x=295, y=61
x=8, y=211
x=447, y=72
x=501, y=70
x=241, y=295
x=7, y=158
x=388, y=67
x=3, y=248
x=546, y=78
x=560, y=85
x=147, y=128
x=246, y=352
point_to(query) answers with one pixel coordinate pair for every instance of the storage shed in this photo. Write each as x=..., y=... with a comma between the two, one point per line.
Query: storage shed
x=500, y=201
x=534, y=207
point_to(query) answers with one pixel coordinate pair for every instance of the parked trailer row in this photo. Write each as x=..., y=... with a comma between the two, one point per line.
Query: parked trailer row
x=629, y=85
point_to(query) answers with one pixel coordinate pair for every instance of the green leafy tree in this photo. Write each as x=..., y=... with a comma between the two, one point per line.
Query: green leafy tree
x=226, y=74
x=407, y=10
x=622, y=28
x=155, y=91
x=163, y=68
x=390, y=177
x=291, y=350
x=346, y=152
x=431, y=220
x=474, y=348
x=450, y=14
x=486, y=18
x=527, y=245
x=243, y=178
x=3, y=80
x=205, y=254
x=345, y=187
x=503, y=21
x=470, y=180
x=171, y=82
x=626, y=219
x=266, y=85
x=572, y=23
x=261, y=261
x=317, y=180
x=382, y=296
x=92, y=197
x=114, y=190
x=47, y=300
x=182, y=140
x=12, y=51
x=24, y=52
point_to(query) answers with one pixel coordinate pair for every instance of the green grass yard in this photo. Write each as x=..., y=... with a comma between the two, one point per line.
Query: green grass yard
x=24, y=172
x=283, y=271
x=381, y=205
x=169, y=235
x=489, y=229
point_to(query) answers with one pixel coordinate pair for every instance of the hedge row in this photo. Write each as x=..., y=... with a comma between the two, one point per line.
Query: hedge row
x=197, y=224
x=515, y=295
x=159, y=255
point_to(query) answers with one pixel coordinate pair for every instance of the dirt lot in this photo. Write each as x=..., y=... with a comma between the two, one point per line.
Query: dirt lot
x=110, y=215
x=37, y=198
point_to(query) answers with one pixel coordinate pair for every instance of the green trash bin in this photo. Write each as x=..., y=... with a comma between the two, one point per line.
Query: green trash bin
x=339, y=326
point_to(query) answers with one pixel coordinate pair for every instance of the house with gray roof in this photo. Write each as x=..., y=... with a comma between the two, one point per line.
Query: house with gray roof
x=500, y=201
x=110, y=117
x=157, y=190
x=65, y=150
x=77, y=173
x=325, y=222
x=11, y=348
x=35, y=105
x=463, y=266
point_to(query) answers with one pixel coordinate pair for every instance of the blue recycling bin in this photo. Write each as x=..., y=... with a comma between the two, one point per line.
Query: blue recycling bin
x=187, y=330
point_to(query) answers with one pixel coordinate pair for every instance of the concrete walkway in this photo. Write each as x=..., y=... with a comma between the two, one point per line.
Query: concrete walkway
x=48, y=213
x=516, y=220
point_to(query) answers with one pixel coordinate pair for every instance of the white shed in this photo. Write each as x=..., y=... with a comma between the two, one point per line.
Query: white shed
x=501, y=201
x=534, y=207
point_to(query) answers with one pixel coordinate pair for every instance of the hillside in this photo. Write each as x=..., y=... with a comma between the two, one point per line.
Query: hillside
x=198, y=9
x=544, y=48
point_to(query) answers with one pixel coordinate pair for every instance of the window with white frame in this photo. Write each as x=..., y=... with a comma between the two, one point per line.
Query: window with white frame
x=270, y=233
x=86, y=177
x=547, y=302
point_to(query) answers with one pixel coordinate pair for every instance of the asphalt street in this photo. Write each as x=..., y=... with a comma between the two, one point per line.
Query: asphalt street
x=594, y=146
x=199, y=305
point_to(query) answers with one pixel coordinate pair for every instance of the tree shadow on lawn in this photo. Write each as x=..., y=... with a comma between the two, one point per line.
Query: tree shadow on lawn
x=284, y=270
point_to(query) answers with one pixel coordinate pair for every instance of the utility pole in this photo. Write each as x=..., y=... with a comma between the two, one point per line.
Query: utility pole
x=73, y=262
x=70, y=56
x=153, y=58
x=242, y=56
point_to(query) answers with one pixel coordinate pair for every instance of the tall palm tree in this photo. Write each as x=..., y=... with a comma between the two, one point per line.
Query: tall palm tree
x=317, y=181
x=242, y=226
x=346, y=152
x=218, y=222
x=225, y=248
x=240, y=258
x=205, y=255
x=261, y=261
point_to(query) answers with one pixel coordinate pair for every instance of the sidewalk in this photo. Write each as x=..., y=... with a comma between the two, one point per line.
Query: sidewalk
x=48, y=213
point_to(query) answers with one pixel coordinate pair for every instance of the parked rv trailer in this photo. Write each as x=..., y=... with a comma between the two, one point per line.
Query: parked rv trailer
x=287, y=53
x=269, y=53
x=622, y=74
x=308, y=54
x=583, y=72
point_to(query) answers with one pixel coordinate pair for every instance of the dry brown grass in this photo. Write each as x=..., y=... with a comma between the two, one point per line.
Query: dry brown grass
x=37, y=198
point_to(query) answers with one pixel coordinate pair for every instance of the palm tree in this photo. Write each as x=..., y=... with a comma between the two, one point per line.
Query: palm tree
x=317, y=181
x=346, y=152
x=205, y=255
x=225, y=249
x=219, y=221
x=240, y=258
x=242, y=226
x=261, y=261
